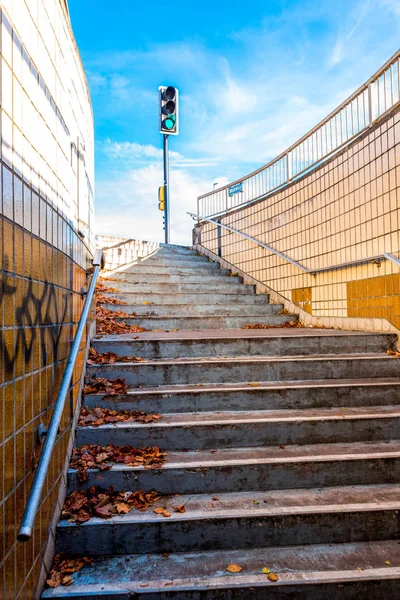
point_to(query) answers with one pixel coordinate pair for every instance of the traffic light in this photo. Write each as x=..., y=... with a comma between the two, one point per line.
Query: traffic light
x=161, y=198
x=168, y=109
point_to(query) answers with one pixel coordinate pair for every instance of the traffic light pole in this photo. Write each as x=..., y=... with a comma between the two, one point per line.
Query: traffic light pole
x=166, y=186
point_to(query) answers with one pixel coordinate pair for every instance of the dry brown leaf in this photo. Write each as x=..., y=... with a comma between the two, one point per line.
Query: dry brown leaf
x=82, y=505
x=286, y=325
x=254, y=384
x=233, y=568
x=96, y=416
x=110, y=387
x=180, y=509
x=92, y=456
x=162, y=511
x=122, y=508
x=273, y=577
x=60, y=573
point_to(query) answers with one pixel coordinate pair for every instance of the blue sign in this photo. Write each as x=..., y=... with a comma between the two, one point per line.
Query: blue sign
x=235, y=189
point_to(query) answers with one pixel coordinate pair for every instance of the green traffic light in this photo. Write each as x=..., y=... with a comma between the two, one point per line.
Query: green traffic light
x=169, y=122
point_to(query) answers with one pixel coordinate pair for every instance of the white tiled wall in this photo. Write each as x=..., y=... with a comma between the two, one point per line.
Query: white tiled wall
x=46, y=118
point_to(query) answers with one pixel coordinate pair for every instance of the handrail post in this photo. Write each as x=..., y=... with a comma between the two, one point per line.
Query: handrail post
x=35, y=494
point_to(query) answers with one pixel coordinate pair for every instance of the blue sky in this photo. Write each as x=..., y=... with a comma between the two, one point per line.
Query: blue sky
x=253, y=77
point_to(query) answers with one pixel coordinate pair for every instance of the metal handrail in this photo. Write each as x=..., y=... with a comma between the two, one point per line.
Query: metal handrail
x=370, y=102
x=28, y=519
x=248, y=237
x=375, y=259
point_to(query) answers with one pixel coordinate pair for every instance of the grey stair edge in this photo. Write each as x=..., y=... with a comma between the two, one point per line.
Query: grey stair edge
x=203, y=508
x=253, y=456
x=302, y=415
x=211, y=568
x=245, y=387
x=215, y=360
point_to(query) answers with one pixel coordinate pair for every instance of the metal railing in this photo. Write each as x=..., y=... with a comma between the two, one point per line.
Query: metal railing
x=32, y=505
x=376, y=259
x=354, y=116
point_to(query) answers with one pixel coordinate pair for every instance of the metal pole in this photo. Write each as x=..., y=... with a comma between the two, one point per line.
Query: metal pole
x=39, y=480
x=166, y=186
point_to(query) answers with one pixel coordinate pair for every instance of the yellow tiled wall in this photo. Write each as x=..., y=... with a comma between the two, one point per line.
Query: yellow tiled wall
x=346, y=210
x=46, y=145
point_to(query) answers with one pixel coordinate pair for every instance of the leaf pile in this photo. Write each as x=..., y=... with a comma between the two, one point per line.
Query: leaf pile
x=110, y=387
x=92, y=456
x=100, y=287
x=96, y=416
x=106, y=323
x=82, y=505
x=109, y=358
x=63, y=567
x=288, y=324
x=100, y=299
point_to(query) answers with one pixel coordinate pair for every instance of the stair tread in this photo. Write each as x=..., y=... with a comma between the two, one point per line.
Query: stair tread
x=264, y=385
x=359, y=498
x=205, y=316
x=250, y=359
x=273, y=332
x=273, y=455
x=334, y=563
x=235, y=417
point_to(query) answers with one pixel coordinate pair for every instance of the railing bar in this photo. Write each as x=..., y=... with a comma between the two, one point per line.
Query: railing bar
x=248, y=237
x=376, y=259
x=35, y=494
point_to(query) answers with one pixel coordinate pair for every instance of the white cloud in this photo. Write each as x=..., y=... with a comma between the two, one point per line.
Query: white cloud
x=135, y=152
x=343, y=39
x=240, y=107
x=128, y=203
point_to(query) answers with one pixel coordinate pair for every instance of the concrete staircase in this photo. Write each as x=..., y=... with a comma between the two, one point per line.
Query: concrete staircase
x=283, y=445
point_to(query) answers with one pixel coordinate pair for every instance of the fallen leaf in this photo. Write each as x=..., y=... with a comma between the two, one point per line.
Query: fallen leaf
x=254, y=384
x=273, y=577
x=387, y=562
x=96, y=416
x=81, y=505
x=162, y=511
x=122, y=507
x=63, y=567
x=233, y=568
x=215, y=498
x=266, y=571
x=180, y=509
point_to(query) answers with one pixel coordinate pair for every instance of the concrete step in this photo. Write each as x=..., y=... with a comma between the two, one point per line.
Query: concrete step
x=263, y=468
x=250, y=369
x=192, y=310
x=243, y=520
x=347, y=571
x=240, y=429
x=215, y=277
x=199, y=322
x=192, y=261
x=202, y=268
x=268, y=342
x=151, y=298
x=228, y=285
x=268, y=395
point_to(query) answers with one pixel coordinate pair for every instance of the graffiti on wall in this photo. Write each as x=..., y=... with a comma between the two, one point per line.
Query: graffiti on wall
x=37, y=316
